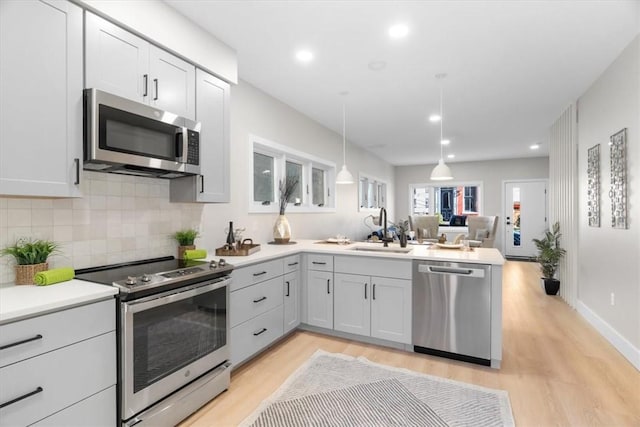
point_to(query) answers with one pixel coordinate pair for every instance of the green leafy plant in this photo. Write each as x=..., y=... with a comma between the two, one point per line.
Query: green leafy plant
x=27, y=252
x=287, y=187
x=186, y=237
x=402, y=227
x=549, y=251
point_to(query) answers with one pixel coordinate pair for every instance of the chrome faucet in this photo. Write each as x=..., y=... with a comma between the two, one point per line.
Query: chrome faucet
x=383, y=222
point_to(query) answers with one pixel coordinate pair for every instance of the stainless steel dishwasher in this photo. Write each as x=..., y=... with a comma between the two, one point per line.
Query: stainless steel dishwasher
x=452, y=310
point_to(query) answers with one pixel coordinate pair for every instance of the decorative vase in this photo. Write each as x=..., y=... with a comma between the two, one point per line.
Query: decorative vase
x=551, y=286
x=403, y=240
x=281, y=230
x=181, y=250
x=25, y=273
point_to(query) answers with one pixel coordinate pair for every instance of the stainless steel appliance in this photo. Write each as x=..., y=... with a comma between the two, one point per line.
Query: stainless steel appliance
x=173, y=336
x=452, y=310
x=127, y=137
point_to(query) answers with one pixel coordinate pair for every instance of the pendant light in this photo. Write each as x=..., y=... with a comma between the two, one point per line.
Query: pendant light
x=441, y=172
x=344, y=176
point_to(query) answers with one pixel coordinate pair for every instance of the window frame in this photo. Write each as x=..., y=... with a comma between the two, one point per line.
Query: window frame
x=431, y=190
x=281, y=155
x=380, y=193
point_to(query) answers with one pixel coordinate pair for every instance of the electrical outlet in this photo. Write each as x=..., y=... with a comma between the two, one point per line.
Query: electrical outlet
x=613, y=298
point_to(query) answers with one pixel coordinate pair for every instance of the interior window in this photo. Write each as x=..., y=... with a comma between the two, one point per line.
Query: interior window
x=372, y=193
x=453, y=199
x=295, y=170
x=318, y=186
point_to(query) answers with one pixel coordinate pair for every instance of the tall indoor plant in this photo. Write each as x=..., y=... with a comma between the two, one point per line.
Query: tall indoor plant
x=549, y=255
x=282, y=229
x=31, y=258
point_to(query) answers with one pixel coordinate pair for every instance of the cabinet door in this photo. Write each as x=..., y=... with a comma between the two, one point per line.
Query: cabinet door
x=291, y=301
x=212, y=108
x=116, y=60
x=391, y=309
x=40, y=98
x=352, y=310
x=172, y=86
x=320, y=299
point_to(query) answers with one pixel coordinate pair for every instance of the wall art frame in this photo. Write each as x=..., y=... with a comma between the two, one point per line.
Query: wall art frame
x=593, y=186
x=618, y=190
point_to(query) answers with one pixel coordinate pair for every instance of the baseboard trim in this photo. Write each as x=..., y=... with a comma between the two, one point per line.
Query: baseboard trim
x=620, y=343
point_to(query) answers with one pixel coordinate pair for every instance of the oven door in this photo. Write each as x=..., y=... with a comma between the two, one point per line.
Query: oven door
x=167, y=341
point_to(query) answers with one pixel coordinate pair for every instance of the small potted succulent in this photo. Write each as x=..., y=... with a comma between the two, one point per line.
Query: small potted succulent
x=185, y=240
x=31, y=258
x=549, y=255
x=402, y=228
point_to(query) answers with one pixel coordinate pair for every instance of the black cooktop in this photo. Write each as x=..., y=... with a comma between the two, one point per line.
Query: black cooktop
x=145, y=277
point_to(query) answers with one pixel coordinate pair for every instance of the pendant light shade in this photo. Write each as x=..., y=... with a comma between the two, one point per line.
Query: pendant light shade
x=344, y=176
x=441, y=172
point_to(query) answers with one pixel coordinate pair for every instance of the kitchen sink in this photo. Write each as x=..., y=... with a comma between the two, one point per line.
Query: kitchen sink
x=394, y=250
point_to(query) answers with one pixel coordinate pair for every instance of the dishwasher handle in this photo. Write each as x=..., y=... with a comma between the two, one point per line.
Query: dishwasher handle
x=455, y=271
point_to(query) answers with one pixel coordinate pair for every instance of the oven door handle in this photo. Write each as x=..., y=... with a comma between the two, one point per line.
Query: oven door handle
x=151, y=302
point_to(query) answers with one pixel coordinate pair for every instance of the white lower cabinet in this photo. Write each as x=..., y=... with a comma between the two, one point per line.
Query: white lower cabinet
x=53, y=379
x=291, y=290
x=255, y=334
x=320, y=298
x=379, y=307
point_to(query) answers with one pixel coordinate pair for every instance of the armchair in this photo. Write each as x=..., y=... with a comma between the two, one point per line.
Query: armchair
x=482, y=231
x=425, y=227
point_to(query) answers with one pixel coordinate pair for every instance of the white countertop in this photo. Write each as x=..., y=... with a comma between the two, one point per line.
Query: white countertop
x=489, y=256
x=22, y=301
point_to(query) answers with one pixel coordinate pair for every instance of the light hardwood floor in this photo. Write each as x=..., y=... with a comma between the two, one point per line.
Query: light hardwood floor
x=557, y=369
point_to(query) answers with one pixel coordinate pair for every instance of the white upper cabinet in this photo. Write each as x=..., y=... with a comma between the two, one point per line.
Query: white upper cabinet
x=40, y=98
x=123, y=64
x=213, y=114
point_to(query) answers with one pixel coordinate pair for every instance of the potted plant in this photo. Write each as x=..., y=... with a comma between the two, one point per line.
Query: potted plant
x=31, y=258
x=402, y=228
x=185, y=240
x=282, y=229
x=549, y=255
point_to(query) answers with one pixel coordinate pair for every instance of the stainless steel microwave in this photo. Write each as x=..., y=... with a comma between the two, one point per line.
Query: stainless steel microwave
x=127, y=137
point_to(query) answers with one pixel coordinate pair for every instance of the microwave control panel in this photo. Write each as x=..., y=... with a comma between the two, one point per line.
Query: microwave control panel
x=193, y=156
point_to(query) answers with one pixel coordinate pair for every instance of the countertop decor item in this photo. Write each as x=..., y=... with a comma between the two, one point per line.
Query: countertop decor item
x=195, y=254
x=55, y=275
x=247, y=247
x=282, y=229
x=31, y=258
x=185, y=240
x=402, y=228
x=549, y=255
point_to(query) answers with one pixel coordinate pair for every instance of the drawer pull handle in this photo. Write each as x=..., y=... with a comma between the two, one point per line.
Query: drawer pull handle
x=261, y=331
x=259, y=274
x=292, y=264
x=24, y=396
x=287, y=282
x=374, y=291
x=318, y=263
x=365, y=291
x=13, y=344
x=259, y=299
x=328, y=286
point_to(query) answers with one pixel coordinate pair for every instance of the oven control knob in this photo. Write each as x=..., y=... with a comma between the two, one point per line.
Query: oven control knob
x=145, y=278
x=222, y=262
x=131, y=280
x=213, y=264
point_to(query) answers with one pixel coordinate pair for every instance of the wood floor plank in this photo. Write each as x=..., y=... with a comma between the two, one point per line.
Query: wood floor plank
x=557, y=369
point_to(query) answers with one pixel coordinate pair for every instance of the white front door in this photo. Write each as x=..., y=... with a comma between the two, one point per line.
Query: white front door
x=525, y=214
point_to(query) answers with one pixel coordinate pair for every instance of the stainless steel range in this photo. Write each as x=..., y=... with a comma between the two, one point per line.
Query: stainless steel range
x=173, y=336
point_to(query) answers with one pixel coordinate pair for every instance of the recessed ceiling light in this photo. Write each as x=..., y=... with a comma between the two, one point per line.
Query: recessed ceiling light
x=398, y=31
x=445, y=142
x=304, y=55
x=435, y=118
x=451, y=156
x=534, y=146
x=377, y=65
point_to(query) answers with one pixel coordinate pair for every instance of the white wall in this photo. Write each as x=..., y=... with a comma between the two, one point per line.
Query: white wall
x=254, y=112
x=608, y=258
x=490, y=173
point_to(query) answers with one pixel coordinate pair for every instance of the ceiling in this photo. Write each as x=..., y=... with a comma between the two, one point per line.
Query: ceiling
x=512, y=66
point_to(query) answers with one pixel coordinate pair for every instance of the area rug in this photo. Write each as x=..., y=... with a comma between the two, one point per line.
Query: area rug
x=339, y=390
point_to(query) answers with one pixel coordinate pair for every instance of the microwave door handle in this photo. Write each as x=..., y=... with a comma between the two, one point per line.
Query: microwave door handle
x=180, y=145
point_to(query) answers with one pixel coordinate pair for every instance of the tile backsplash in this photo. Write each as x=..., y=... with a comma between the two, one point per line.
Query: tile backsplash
x=120, y=218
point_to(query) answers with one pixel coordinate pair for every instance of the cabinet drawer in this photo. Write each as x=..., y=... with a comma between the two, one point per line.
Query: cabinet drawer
x=368, y=266
x=254, y=335
x=291, y=263
x=66, y=376
x=254, y=300
x=56, y=330
x=99, y=408
x=246, y=276
x=320, y=262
